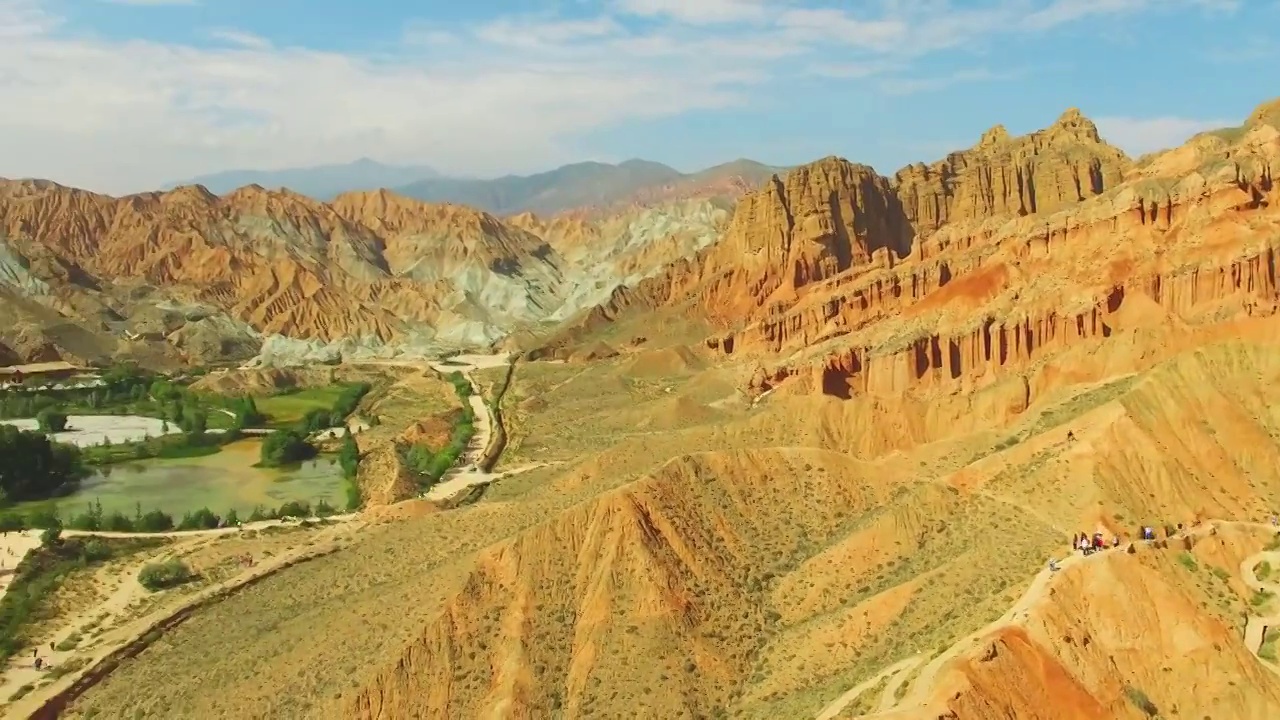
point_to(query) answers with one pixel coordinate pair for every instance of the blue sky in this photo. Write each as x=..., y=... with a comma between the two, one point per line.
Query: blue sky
x=124, y=95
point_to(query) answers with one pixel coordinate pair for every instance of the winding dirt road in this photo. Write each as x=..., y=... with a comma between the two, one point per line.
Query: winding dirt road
x=899, y=669
x=468, y=473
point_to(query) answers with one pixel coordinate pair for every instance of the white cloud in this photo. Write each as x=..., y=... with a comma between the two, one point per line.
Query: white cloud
x=853, y=70
x=699, y=12
x=509, y=95
x=1138, y=136
x=242, y=39
x=911, y=86
x=150, y=3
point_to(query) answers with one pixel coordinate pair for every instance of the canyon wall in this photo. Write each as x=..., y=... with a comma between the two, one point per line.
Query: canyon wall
x=991, y=260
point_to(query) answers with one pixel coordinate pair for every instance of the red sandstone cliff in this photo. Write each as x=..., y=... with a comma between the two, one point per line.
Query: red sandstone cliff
x=985, y=261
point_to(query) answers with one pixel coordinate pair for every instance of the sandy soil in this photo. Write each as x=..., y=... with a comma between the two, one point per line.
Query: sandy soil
x=840, y=703
x=13, y=547
x=89, y=430
x=1256, y=626
x=124, y=604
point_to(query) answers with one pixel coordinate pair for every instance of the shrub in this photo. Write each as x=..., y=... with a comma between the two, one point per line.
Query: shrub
x=1141, y=701
x=154, y=521
x=95, y=551
x=202, y=519
x=285, y=446
x=51, y=420
x=294, y=508
x=50, y=537
x=167, y=574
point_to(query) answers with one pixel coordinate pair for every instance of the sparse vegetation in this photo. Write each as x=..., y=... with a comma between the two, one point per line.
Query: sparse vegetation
x=40, y=574
x=1141, y=701
x=1267, y=651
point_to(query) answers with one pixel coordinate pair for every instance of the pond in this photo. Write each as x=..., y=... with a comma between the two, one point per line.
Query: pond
x=86, y=430
x=219, y=482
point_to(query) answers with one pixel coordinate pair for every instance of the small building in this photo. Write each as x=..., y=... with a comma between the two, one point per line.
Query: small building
x=51, y=371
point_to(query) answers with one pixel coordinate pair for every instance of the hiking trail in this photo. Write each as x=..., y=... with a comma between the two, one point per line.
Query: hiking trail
x=922, y=687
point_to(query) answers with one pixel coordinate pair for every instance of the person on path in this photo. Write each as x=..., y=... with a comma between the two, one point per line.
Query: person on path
x=1053, y=565
x=39, y=662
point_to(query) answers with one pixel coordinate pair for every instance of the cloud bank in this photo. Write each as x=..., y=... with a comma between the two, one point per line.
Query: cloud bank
x=505, y=94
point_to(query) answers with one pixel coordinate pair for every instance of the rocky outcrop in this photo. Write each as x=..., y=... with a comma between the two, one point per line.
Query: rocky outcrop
x=849, y=284
x=1043, y=172
x=383, y=478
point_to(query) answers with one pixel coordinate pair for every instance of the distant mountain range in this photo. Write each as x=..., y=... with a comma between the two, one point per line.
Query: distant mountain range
x=322, y=182
x=576, y=186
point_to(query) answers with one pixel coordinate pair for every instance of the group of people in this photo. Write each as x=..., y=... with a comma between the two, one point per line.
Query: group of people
x=1090, y=545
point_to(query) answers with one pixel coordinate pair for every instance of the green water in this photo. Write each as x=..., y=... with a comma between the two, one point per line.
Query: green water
x=219, y=482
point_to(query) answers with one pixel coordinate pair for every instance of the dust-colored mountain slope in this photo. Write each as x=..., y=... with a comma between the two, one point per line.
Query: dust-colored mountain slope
x=276, y=260
x=845, y=595
x=1074, y=656
x=605, y=253
x=765, y=570
x=191, y=272
x=868, y=454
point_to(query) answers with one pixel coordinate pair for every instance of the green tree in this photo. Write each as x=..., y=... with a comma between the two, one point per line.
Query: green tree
x=247, y=413
x=51, y=421
x=33, y=467
x=197, y=421
x=349, y=455
x=285, y=446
